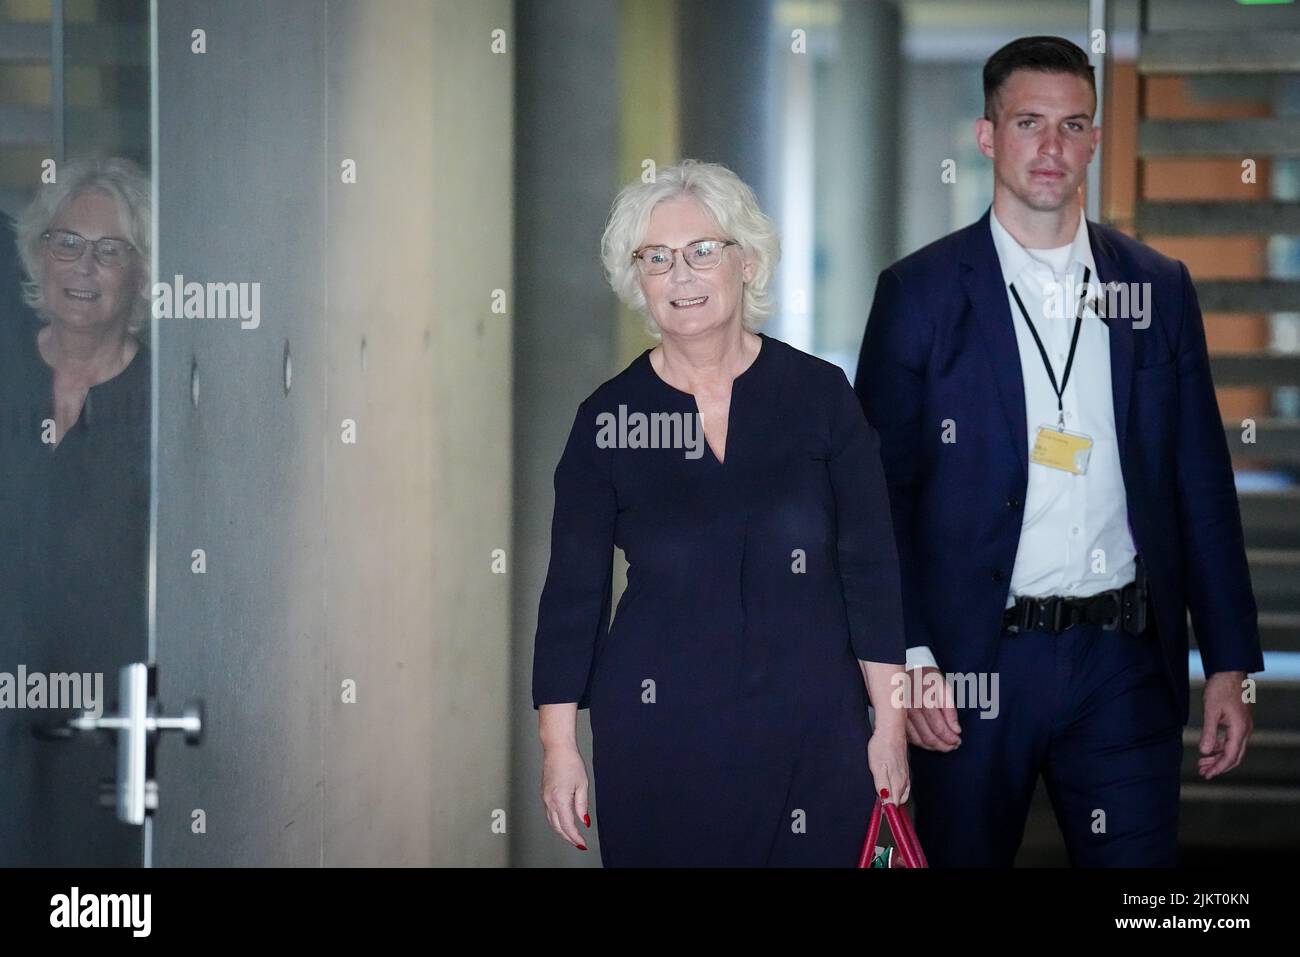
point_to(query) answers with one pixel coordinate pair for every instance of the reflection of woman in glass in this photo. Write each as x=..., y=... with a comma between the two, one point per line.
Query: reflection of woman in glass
x=82, y=439
x=729, y=699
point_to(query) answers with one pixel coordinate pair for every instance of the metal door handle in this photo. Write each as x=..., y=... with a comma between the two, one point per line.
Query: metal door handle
x=190, y=722
x=136, y=726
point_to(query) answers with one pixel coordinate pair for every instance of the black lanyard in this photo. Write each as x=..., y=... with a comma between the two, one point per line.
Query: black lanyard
x=1074, y=341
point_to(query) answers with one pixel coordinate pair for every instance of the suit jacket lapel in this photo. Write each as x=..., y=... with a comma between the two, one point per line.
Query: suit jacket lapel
x=982, y=278
x=1121, y=337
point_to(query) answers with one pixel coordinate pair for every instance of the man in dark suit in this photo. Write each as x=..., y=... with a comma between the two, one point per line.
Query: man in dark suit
x=1062, y=497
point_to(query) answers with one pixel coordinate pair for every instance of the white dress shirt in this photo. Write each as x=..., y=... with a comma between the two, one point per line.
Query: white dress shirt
x=1075, y=538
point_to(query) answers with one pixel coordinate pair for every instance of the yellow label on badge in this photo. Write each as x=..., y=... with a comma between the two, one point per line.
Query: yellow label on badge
x=1067, y=451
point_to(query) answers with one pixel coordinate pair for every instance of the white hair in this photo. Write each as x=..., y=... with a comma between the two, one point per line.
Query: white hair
x=121, y=179
x=731, y=204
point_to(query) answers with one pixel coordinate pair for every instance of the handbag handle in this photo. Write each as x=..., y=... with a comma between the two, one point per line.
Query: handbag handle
x=909, y=847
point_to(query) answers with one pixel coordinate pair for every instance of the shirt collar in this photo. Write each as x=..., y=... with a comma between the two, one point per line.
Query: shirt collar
x=1015, y=259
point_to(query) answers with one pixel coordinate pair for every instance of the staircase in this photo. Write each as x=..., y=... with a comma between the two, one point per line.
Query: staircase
x=1255, y=810
x=74, y=79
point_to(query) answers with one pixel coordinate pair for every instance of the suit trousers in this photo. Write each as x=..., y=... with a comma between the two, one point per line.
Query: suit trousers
x=1092, y=711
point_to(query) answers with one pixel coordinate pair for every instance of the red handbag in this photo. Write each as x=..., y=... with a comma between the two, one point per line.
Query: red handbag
x=909, y=848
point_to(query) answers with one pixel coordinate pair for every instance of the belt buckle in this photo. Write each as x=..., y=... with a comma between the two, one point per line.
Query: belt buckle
x=1045, y=620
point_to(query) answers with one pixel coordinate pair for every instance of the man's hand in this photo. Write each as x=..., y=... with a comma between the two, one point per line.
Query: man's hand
x=1224, y=709
x=933, y=728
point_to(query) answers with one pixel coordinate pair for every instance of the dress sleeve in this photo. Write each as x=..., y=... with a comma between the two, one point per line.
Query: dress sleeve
x=890, y=385
x=868, y=555
x=574, y=611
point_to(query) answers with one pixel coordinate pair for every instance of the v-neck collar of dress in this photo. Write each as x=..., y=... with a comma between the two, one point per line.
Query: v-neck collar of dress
x=764, y=348
x=111, y=390
x=47, y=371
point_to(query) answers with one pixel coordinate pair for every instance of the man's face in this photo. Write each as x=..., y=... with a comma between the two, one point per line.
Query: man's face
x=1043, y=139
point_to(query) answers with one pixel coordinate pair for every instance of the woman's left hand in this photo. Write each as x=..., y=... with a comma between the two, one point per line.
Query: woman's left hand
x=887, y=749
x=887, y=758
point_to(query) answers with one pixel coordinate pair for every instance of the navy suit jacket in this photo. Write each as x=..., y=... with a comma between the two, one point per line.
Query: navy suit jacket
x=940, y=345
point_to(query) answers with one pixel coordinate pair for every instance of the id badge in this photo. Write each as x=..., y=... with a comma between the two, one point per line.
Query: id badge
x=1059, y=449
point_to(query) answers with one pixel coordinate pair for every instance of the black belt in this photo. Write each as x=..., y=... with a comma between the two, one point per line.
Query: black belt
x=1125, y=606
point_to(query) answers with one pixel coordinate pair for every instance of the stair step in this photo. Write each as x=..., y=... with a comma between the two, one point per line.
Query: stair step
x=1278, y=631
x=1245, y=794
x=27, y=127
x=1256, y=368
x=23, y=127
x=1221, y=815
x=1275, y=575
x=1276, y=440
x=103, y=43
x=107, y=43
x=1221, y=218
x=1229, y=51
x=110, y=126
x=1262, y=136
x=22, y=43
x=1248, y=295
x=1271, y=519
x=1271, y=759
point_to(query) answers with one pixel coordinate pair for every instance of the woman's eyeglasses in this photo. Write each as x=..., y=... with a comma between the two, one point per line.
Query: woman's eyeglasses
x=703, y=254
x=67, y=246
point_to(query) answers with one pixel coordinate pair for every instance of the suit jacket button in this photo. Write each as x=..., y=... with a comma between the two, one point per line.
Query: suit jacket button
x=1013, y=502
x=997, y=576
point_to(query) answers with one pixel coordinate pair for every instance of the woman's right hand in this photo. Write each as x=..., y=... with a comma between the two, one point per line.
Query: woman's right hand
x=564, y=791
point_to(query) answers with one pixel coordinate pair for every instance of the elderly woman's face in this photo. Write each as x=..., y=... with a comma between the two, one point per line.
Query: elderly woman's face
x=687, y=301
x=85, y=294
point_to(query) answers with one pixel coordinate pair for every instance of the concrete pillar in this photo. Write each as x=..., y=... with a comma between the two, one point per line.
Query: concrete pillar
x=566, y=165
x=725, y=81
x=857, y=161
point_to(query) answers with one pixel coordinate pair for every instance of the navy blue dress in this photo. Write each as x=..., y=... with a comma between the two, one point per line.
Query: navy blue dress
x=728, y=712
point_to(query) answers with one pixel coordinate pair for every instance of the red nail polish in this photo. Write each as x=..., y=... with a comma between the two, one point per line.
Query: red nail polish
x=884, y=792
x=586, y=819
x=582, y=847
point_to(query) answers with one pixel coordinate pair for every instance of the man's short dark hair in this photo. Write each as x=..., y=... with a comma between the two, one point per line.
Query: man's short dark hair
x=1044, y=54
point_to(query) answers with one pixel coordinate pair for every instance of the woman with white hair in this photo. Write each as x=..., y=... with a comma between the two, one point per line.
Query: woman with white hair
x=729, y=697
x=80, y=434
